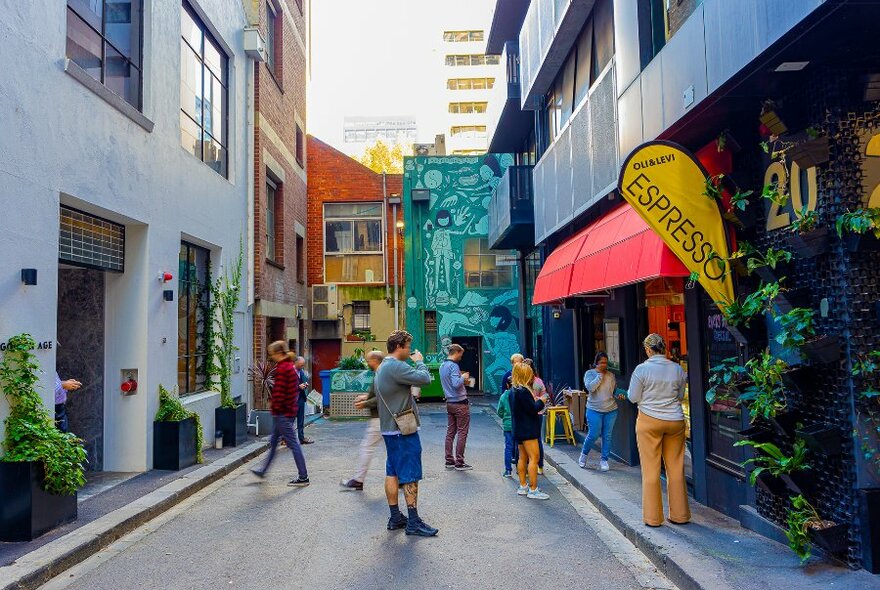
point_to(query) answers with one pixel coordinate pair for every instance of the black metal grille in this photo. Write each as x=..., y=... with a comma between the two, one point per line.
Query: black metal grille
x=90, y=241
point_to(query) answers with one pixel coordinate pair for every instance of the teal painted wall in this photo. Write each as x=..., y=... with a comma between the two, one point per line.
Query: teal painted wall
x=434, y=239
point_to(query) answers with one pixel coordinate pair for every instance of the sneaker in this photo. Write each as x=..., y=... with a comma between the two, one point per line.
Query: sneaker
x=421, y=529
x=463, y=467
x=299, y=482
x=582, y=461
x=397, y=522
x=537, y=494
x=603, y=465
x=507, y=474
x=306, y=441
x=450, y=466
x=522, y=490
x=540, y=471
x=258, y=473
x=352, y=485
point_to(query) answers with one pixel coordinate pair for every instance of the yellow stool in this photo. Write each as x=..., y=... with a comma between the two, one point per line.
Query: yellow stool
x=554, y=412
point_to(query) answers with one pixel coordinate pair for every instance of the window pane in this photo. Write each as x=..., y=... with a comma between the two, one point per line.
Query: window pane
x=584, y=62
x=368, y=236
x=88, y=10
x=348, y=210
x=339, y=237
x=354, y=268
x=270, y=222
x=270, y=38
x=122, y=27
x=603, y=23
x=214, y=155
x=215, y=95
x=214, y=59
x=568, y=87
x=121, y=77
x=190, y=31
x=189, y=136
x=83, y=45
x=190, y=83
x=472, y=247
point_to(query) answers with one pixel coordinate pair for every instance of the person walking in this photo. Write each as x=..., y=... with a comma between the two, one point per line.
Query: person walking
x=527, y=429
x=600, y=384
x=506, y=383
x=284, y=407
x=397, y=410
x=61, y=389
x=458, y=412
x=657, y=386
x=503, y=411
x=304, y=384
x=373, y=435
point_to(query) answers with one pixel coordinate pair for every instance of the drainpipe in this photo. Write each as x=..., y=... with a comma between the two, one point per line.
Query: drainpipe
x=396, y=284
x=385, y=213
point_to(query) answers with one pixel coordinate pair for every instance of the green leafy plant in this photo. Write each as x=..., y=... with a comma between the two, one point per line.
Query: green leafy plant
x=806, y=221
x=796, y=327
x=725, y=380
x=355, y=362
x=765, y=397
x=365, y=335
x=262, y=375
x=801, y=518
x=775, y=193
x=225, y=297
x=813, y=133
x=755, y=259
x=712, y=188
x=772, y=460
x=742, y=311
x=31, y=434
x=172, y=410
x=859, y=221
x=740, y=200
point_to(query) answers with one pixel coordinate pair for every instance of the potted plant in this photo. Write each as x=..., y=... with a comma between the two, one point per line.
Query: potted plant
x=41, y=468
x=231, y=416
x=812, y=152
x=740, y=313
x=862, y=228
x=773, y=464
x=765, y=396
x=805, y=527
x=725, y=381
x=807, y=240
x=177, y=434
x=797, y=331
x=737, y=209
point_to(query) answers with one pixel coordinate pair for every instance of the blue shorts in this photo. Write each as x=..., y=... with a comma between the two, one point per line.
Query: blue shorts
x=404, y=457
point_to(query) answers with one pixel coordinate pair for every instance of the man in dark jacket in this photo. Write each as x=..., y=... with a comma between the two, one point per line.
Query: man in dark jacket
x=303, y=397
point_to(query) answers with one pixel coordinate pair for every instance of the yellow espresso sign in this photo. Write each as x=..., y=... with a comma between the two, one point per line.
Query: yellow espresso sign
x=664, y=183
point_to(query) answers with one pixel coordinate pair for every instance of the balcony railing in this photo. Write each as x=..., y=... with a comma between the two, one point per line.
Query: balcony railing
x=512, y=212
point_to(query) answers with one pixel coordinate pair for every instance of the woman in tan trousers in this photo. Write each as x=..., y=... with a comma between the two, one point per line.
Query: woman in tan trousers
x=657, y=386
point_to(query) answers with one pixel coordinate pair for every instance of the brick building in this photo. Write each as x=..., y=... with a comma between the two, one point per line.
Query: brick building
x=280, y=178
x=351, y=233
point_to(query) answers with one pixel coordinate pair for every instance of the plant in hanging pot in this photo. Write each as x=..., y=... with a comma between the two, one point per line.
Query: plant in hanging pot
x=806, y=527
x=177, y=434
x=811, y=152
x=231, y=416
x=797, y=331
x=41, y=468
x=771, y=463
x=765, y=396
x=806, y=239
x=737, y=210
x=740, y=313
x=859, y=229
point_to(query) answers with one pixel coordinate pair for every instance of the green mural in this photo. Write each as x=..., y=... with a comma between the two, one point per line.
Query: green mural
x=449, y=269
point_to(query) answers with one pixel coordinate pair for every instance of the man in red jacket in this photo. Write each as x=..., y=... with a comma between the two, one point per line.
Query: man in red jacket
x=284, y=406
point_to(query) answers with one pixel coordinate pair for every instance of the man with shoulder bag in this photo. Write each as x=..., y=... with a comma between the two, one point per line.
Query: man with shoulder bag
x=399, y=421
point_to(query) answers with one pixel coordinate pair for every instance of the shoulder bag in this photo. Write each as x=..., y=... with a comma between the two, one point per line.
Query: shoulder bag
x=406, y=421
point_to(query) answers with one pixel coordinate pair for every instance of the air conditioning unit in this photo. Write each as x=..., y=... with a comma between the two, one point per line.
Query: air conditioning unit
x=254, y=45
x=325, y=303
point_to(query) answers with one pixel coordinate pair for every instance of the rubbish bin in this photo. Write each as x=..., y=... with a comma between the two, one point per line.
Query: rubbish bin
x=433, y=391
x=325, y=388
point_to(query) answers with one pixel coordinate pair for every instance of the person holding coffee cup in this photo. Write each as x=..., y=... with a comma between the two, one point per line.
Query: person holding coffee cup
x=458, y=410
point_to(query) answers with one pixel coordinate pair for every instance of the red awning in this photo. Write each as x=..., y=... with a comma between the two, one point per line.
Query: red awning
x=619, y=249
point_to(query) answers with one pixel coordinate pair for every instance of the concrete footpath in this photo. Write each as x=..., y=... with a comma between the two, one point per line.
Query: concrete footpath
x=28, y=565
x=713, y=551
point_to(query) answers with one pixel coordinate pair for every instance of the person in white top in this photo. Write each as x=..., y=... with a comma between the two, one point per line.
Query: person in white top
x=657, y=386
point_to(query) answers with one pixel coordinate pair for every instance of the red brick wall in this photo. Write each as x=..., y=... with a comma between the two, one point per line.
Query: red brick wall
x=335, y=177
x=280, y=100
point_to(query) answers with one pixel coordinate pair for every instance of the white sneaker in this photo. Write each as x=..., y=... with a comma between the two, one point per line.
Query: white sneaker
x=522, y=491
x=537, y=494
x=603, y=465
x=582, y=461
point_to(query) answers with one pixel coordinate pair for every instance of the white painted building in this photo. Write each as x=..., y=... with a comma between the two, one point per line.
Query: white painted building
x=129, y=127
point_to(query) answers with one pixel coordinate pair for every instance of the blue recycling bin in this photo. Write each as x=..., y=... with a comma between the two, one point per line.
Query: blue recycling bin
x=325, y=388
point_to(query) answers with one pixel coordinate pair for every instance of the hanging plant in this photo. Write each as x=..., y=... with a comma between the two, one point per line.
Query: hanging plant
x=31, y=434
x=806, y=526
x=806, y=221
x=772, y=460
x=725, y=380
x=765, y=397
x=741, y=312
x=776, y=193
x=796, y=327
x=859, y=222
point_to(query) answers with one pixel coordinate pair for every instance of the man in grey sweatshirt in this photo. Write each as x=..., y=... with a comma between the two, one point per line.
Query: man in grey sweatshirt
x=458, y=411
x=403, y=467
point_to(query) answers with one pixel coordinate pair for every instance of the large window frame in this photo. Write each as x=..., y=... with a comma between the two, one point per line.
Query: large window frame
x=274, y=221
x=463, y=36
x=272, y=38
x=197, y=124
x=483, y=83
x=370, y=212
x=472, y=107
x=79, y=12
x=472, y=59
x=360, y=316
x=194, y=325
x=484, y=270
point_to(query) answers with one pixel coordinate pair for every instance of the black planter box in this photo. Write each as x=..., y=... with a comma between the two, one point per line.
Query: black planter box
x=822, y=439
x=791, y=298
x=834, y=539
x=26, y=509
x=800, y=482
x=823, y=350
x=810, y=153
x=865, y=242
x=810, y=244
x=771, y=485
x=757, y=433
x=785, y=423
x=755, y=332
x=174, y=444
x=233, y=423
x=869, y=512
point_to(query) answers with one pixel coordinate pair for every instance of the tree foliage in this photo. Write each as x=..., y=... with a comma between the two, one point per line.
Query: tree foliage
x=381, y=157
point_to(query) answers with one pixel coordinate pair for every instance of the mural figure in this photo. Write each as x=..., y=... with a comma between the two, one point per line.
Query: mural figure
x=504, y=343
x=441, y=247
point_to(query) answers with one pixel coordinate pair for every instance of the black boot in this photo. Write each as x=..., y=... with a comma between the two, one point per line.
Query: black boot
x=420, y=528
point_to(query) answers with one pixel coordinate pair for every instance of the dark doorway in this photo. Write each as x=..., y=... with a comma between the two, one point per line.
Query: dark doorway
x=325, y=356
x=80, y=355
x=471, y=359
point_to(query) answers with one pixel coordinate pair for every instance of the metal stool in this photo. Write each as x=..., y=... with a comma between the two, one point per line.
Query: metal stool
x=554, y=412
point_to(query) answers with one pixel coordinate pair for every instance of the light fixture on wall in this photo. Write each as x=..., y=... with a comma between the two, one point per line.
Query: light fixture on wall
x=29, y=276
x=556, y=312
x=399, y=224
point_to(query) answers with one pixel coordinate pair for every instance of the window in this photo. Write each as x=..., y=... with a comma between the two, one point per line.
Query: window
x=473, y=60
x=568, y=87
x=482, y=268
x=300, y=147
x=462, y=36
x=584, y=68
x=300, y=259
x=193, y=321
x=652, y=28
x=430, y=324
x=360, y=315
x=203, y=94
x=470, y=83
x=603, y=37
x=274, y=222
x=467, y=107
x=469, y=131
x=271, y=38
x=104, y=39
x=354, y=246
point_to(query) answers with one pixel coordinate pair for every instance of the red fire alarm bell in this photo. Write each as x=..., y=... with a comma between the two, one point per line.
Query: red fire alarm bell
x=129, y=386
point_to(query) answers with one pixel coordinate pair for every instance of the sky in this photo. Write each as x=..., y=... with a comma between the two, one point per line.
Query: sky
x=382, y=57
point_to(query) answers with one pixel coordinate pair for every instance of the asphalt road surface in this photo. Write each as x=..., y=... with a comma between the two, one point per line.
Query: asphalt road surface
x=248, y=534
